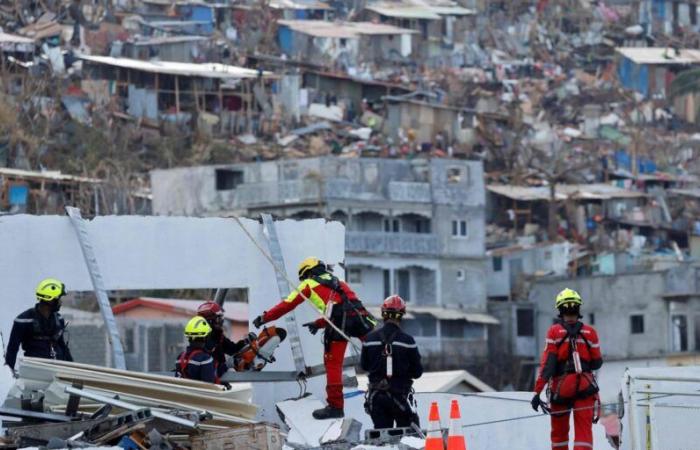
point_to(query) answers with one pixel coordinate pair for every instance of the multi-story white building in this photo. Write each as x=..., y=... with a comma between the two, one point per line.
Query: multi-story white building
x=413, y=227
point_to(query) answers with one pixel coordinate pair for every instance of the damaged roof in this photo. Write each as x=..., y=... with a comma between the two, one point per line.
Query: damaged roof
x=298, y=4
x=206, y=70
x=6, y=38
x=233, y=311
x=342, y=30
x=660, y=55
x=52, y=175
x=429, y=10
x=597, y=191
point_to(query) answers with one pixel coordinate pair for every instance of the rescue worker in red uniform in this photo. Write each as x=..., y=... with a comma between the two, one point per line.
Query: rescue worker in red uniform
x=196, y=363
x=217, y=343
x=571, y=354
x=337, y=301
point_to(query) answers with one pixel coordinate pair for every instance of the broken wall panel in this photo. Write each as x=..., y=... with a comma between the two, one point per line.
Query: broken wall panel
x=138, y=253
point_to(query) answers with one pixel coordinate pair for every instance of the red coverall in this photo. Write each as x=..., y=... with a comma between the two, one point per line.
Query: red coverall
x=334, y=352
x=552, y=370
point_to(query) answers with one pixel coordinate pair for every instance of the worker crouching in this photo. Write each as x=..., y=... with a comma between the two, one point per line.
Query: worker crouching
x=196, y=363
x=391, y=358
x=571, y=354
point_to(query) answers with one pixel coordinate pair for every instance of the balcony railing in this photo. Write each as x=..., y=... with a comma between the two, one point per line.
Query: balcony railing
x=399, y=243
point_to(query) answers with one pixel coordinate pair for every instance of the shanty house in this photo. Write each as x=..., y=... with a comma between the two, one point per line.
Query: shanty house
x=427, y=119
x=187, y=16
x=343, y=44
x=301, y=9
x=14, y=46
x=650, y=70
x=166, y=48
x=165, y=91
x=152, y=329
x=442, y=25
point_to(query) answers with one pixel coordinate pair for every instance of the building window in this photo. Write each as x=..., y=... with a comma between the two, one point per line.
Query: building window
x=548, y=255
x=452, y=329
x=679, y=330
x=228, y=180
x=387, y=282
x=497, y=262
x=460, y=275
x=454, y=175
x=591, y=319
x=525, y=322
x=129, y=340
x=392, y=225
x=637, y=324
x=355, y=276
x=403, y=278
x=459, y=228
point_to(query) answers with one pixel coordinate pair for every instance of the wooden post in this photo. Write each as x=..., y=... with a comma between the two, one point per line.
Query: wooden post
x=221, y=109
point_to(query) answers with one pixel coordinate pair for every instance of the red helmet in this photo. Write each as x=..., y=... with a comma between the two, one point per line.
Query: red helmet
x=210, y=311
x=394, y=305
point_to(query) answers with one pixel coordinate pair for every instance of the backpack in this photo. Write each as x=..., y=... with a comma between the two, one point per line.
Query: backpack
x=572, y=385
x=350, y=316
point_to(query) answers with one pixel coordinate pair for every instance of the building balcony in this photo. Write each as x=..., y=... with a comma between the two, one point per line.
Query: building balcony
x=397, y=243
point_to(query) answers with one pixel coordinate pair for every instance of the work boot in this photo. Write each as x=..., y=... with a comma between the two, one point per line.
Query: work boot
x=328, y=412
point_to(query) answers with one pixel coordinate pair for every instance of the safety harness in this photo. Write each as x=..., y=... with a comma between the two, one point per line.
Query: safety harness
x=383, y=385
x=185, y=359
x=352, y=317
x=39, y=334
x=575, y=367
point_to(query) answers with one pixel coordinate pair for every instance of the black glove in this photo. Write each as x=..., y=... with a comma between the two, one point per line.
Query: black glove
x=536, y=402
x=226, y=385
x=313, y=328
x=258, y=321
x=251, y=337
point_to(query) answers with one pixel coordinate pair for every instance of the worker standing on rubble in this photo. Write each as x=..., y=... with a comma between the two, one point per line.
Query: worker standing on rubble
x=571, y=354
x=391, y=358
x=337, y=301
x=217, y=343
x=40, y=330
x=196, y=363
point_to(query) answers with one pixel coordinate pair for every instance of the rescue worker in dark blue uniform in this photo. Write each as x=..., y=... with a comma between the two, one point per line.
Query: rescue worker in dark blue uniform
x=392, y=361
x=40, y=330
x=196, y=363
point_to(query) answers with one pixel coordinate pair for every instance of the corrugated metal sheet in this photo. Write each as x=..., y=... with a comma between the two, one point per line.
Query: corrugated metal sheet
x=405, y=12
x=565, y=191
x=14, y=39
x=342, y=30
x=660, y=55
x=208, y=70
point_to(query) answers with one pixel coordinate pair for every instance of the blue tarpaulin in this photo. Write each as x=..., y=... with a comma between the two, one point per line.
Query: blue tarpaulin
x=18, y=195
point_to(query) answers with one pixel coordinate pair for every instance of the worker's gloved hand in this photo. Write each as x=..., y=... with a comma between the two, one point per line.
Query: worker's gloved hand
x=536, y=402
x=251, y=337
x=226, y=385
x=258, y=321
x=313, y=328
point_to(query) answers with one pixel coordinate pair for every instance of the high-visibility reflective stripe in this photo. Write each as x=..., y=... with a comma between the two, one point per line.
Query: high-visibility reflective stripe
x=24, y=320
x=401, y=344
x=314, y=297
x=560, y=444
x=595, y=345
x=583, y=444
x=371, y=344
x=198, y=363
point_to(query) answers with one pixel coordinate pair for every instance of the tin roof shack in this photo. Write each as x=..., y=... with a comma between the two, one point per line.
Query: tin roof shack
x=442, y=25
x=13, y=47
x=166, y=48
x=186, y=16
x=670, y=17
x=342, y=44
x=651, y=70
x=412, y=112
x=29, y=192
x=219, y=97
x=300, y=9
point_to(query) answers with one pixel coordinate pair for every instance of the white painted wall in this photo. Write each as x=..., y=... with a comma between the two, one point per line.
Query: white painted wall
x=167, y=253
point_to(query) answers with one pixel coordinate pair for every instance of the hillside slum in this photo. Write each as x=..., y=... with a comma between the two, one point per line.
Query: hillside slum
x=581, y=115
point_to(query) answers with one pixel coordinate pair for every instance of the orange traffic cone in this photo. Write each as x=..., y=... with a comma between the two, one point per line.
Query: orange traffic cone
x=434, y=439
x=455, y=435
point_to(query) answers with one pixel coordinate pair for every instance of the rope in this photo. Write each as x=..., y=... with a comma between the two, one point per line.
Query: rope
x=292, y=285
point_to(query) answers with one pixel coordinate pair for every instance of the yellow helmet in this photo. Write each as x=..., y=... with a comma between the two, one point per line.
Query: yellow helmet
x=568, y=297
x=307, y=264
x=197, y=327
x=49, y=290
